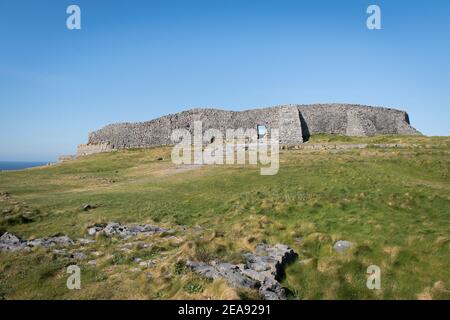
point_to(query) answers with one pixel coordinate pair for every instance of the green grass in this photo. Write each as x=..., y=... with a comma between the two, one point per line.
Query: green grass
x=392, y=203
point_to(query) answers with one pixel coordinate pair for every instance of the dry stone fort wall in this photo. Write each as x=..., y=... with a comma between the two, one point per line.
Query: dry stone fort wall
x=294, y=122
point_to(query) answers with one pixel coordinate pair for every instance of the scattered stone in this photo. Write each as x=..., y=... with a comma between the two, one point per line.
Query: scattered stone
x=10, y=242
x=87, y=207
x=124, y=231
x=263, y=270
x=9, y=238
x=92, y=231
x=92, y=262
x=84, y=241
x=61, y=252
x=137, y=260
x=52, y=241
x=147, y=264
x=342, y=245
x=75, y=256
x=79, y=256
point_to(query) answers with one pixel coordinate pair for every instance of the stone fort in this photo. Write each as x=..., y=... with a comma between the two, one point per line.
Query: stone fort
x=296, y=123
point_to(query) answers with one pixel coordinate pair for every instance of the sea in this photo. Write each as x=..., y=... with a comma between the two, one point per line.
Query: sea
x=19, y=165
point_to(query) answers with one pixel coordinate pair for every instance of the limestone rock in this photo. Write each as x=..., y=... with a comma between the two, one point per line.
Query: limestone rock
x=271, y=290
x=84, y=241
x=147, y=263
x=51, y=241
x=124, y=231
x=10, y=238
x=79, y=256
x=10, y=242
x=61, y=252
x=342, y=245
x=231, y=273
x=262, y=270
x=87, y=207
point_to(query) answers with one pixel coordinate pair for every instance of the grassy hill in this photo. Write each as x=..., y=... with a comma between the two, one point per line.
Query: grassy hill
x=392, y=203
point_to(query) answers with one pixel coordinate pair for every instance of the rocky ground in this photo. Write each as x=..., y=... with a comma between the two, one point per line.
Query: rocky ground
x=262, y=270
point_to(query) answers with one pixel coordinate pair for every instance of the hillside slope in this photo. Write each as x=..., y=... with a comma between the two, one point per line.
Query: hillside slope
x=391, y=203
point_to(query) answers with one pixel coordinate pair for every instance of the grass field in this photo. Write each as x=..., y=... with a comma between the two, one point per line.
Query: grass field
x=392, y=203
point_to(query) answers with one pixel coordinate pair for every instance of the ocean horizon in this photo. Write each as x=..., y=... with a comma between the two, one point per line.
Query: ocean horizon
x=20, y=165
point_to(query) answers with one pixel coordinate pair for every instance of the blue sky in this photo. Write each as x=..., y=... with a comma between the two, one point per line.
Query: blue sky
x=137, y=60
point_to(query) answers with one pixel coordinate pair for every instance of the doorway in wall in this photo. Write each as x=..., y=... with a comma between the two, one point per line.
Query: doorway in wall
x=261, y=130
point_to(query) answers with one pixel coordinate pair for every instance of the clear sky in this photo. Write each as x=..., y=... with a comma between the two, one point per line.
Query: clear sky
x=137, y=60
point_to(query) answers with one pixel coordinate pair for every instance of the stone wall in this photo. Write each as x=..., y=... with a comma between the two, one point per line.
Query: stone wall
x=294, y=122
x=87, y=149
x=354, y=120
x=158, y=132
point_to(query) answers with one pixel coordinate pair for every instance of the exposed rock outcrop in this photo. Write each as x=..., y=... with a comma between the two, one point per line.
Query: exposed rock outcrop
x=124, y=231
x=11, y=242
x=262, y=271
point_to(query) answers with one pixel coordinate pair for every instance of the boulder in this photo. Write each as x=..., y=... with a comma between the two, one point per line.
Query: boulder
x=10, y=238
x=342, y=245
x=231, y=273
x=261, y=270
x=87, y=207
x=10, y=242
x=272, y=290
x=92, y=230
